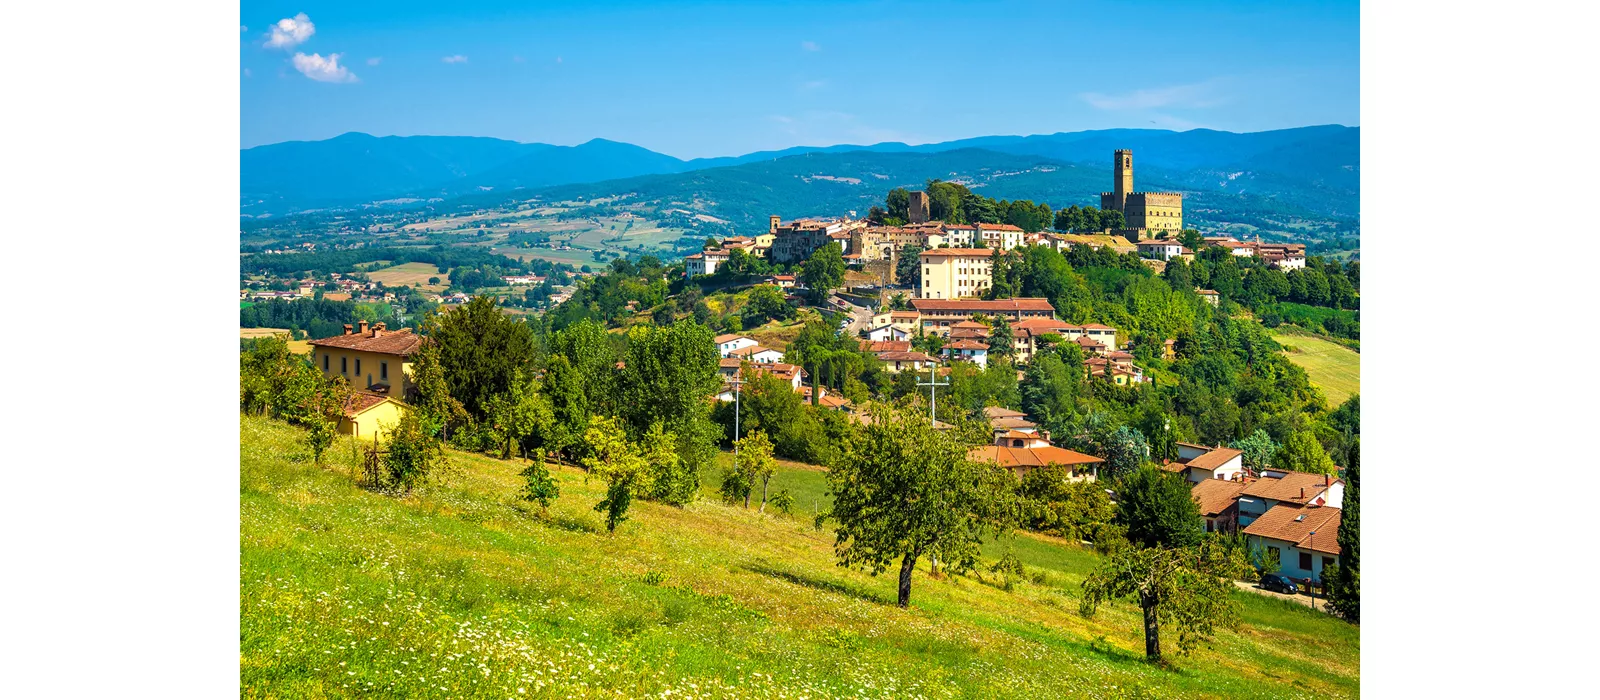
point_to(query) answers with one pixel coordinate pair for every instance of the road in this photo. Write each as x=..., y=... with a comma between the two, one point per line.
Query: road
x=1306, y=600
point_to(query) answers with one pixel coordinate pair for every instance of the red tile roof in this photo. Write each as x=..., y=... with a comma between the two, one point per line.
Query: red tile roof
x=1295, y=524
x=359, y=403
x=1001, y=412
x=1216, y=495
x=726, y=337
x=1215, y=458
x=904, y=356
x=1030, y=456
x=886, y=345
x=966, y=344
x=1293, y=487
x=401, y=342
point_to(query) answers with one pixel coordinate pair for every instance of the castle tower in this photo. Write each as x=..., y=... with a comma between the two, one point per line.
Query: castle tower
x=1122, y=177
x=919, y=207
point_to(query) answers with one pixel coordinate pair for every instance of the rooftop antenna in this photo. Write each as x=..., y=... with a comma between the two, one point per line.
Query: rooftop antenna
x=933, y=392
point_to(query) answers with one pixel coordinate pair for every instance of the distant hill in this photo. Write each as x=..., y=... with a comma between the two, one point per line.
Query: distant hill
x=357, y=168
x=1316, y=168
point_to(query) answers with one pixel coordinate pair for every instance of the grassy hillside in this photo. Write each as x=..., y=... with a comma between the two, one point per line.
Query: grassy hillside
x=1333, y=368
x=461, y=590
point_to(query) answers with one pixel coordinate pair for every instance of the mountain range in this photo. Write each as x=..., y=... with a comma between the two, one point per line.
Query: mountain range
x=1315, y=169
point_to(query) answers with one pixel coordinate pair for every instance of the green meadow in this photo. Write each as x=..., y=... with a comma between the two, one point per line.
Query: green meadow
x=462, y=590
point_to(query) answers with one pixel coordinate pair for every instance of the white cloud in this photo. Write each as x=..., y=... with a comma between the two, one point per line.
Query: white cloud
x=243, y=28
x=247, y=72
x=458, y=58
x=1202, y=94
x=321, y=69
x=810, y=46
x=290, y=32
x=558, y=59
x=813, y=84
x=375, y=60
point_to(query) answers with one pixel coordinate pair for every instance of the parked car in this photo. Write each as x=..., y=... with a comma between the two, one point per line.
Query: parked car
x=1279, y=583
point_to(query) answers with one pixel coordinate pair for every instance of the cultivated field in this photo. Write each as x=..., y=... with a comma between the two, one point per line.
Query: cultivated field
x=1334, y=368
x=413, y=273
x=298, y=347
x=462, y=590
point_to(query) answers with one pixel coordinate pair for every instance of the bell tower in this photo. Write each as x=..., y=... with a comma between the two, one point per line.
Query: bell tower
x=1122, y=177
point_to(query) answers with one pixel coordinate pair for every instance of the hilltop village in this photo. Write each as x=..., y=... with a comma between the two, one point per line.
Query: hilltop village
x=1101, y=375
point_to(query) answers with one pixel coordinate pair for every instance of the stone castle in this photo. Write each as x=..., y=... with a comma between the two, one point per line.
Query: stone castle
x=1144, y=213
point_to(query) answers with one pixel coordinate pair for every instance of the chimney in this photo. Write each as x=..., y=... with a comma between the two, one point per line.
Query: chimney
x=1327, y=480
x=379, y=326
x=362, y=326
x=347, y=328
x=1302, y=493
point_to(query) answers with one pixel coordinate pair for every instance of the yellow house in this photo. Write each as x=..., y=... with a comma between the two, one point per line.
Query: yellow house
x=374, y=360
x=370, y=415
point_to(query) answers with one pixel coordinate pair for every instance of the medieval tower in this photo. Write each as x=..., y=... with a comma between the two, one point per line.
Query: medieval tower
x=1144, y=214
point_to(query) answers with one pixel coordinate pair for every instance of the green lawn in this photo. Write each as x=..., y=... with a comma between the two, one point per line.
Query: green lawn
x=462, y=590
x=1334, y=368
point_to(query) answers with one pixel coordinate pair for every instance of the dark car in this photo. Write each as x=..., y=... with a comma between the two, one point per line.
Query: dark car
x=1279, y=583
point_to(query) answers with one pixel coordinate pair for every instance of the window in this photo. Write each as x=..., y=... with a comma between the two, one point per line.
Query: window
x=1211, y=526
x=1327, y=562
x=325, y=357
x=344, y=365
x=358, y=367
x=1305, y=561
x=383, y=371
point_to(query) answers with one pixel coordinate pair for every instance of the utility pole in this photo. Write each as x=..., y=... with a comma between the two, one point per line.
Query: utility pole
x=933, y=392
x=737, y=383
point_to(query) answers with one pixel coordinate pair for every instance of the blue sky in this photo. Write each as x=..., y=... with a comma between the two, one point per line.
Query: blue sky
x=711, y=79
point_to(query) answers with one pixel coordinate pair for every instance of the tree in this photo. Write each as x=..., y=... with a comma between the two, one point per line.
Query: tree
x=1002, y=345
x=1258, y=450
x=579, y=380
x=1124, y=449
x=1157, y=509
x=823, y=272
x=898, y=204
x=611, y=458
x=1187, y=588
x=413, y=451
x=322, y=415
x=756, y=465
x=540, y=486
x=1111, y=219
x=765, y=303
x=518, y=414
x=481, y=350
x=903, y=490
x=1302, y=453
x=1054, y=503
x=908, y=266
x=668, y=375
x=1344, y=584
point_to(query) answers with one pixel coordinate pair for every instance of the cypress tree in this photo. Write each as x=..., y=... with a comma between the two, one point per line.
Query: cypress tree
x=1344, y=593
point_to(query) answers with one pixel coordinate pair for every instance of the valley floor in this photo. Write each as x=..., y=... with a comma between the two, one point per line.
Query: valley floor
x=462, y=590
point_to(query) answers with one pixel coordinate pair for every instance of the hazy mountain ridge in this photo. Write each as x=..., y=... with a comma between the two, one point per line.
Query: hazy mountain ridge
x=1317, y=168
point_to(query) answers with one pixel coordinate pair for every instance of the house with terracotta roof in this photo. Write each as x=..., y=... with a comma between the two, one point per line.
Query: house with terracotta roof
x=889, y=332
x=730, y=369
x=729, y=342
x=1218, y=501
x=1001, y=236
x=1210, y=295
x=1296, y=489
x=1018, y=438
x=757, y=353
x=1021, y=460
x=877, y=346
x=955, y=273
x=372, y=358
x=897, y=361
x=1199, y=463
x=370, y=415
x=966, y=350
x=1303, y=540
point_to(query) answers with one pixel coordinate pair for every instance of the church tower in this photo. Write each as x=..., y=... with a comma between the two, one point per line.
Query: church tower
x=1122, y=173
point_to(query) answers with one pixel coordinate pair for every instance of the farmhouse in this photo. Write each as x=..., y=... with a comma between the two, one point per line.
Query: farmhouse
x=889, y=332
x=704, y=262
x=372, y=358
x=758, y=354
x=967, y=350
x=897, y=361
x=1304, y=541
